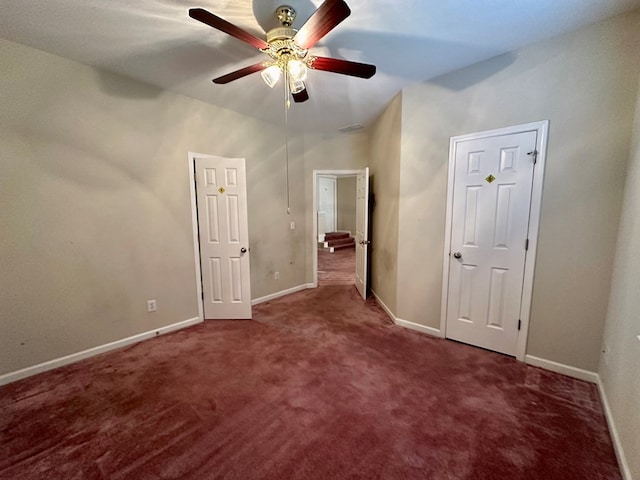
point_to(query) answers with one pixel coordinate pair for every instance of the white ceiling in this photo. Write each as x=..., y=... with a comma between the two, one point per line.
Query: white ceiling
x=410, y=41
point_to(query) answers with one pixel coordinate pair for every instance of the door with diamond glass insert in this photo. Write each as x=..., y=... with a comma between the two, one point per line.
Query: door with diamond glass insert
x=490, y=218
x=221, y=196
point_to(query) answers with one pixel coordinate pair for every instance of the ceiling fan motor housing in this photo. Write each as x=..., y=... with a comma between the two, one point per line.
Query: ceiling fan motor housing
x=280, y=39
x=281, y=33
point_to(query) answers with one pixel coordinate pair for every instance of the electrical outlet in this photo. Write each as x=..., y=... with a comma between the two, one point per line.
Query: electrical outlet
x=152, y=306
x=276, y=275
x=292, y=225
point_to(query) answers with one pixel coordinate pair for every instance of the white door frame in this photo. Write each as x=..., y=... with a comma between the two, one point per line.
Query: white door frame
x=314, y=212
x=542, y=128
x=194, y=226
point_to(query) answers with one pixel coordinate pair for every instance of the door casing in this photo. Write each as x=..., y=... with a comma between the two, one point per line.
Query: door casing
x=314, y=212
x=542, y=128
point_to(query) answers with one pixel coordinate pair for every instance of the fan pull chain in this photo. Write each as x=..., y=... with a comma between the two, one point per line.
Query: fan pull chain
x=287, y=105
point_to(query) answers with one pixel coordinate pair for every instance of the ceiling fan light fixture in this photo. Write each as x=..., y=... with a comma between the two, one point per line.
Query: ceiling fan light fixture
x=288, y=48
x=271, y=75
x=297, y=70
x=296, y=86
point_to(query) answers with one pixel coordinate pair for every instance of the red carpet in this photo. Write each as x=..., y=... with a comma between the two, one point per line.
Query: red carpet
x=337, y=268
x=320, y=386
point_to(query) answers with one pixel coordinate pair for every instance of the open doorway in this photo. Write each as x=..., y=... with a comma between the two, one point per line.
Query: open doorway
x=336, y=246
x=340, y=220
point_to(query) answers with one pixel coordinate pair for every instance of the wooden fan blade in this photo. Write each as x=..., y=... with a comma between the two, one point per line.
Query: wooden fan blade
x=243, y=72
x=345, y=67
x=321, y=22
x=221, y=24
x=302, y=96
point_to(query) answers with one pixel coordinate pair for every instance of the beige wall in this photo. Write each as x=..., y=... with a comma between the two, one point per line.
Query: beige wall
x=95, y=205
x=346, y=208
x=619, y=367
x=585, y=83
x=385, y=185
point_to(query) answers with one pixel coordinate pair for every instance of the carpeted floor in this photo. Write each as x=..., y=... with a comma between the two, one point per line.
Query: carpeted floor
x=337, y=268
x=320, y=386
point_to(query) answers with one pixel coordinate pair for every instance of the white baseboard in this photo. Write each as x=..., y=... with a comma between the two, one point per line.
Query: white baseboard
x=75, y=357
x=419, y=327
x=617, y=445
x=569, y=371
x=281, y=293
x=384, y=306
x=406, y=323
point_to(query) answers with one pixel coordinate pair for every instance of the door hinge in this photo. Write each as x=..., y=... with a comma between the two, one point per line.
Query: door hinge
x=534, y=156
x=519, y=324
x=526, y=244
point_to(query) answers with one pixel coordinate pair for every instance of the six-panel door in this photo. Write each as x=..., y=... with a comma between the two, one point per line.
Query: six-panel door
x=224, y=237
x=491, y=203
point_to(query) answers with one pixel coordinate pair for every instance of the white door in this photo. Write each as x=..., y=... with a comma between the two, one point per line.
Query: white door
x=362, y=230
x=221, y=196
x=327, y=200
x=490, y=219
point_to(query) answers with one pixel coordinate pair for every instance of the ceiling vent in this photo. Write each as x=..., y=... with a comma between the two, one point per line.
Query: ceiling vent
x=350, y=128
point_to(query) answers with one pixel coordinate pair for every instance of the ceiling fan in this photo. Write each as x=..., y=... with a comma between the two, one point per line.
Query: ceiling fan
x=288, y=48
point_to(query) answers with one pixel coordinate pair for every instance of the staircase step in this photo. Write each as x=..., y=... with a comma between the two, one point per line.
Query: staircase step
x=344, y=245
x=341, y=241
x=335, y=235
